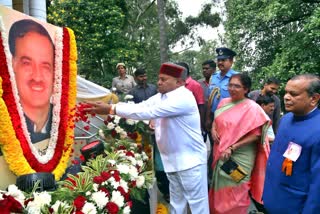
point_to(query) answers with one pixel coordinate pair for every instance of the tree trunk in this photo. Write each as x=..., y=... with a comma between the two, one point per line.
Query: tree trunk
x=163, y=36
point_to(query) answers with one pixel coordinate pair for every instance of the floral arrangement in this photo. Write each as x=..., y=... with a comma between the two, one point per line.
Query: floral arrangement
x=107, y=184
x=122, y=128
x=20, y=154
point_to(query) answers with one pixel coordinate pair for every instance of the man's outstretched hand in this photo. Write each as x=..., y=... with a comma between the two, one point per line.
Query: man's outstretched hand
x=97, y=108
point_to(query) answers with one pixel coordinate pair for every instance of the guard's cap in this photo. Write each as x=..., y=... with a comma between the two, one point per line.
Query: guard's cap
x=120, y=64
x=225, y=53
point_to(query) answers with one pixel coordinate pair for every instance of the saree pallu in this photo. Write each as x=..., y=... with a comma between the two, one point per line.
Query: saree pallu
x=233, y=121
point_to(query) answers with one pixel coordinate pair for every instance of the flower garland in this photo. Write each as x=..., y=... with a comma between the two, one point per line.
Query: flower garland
x=17, y=148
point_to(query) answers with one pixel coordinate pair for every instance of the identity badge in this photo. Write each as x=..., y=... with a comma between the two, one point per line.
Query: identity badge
x=293, y=151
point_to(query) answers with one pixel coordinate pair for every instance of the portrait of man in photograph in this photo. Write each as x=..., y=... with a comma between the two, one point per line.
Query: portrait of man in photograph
x=32, y=51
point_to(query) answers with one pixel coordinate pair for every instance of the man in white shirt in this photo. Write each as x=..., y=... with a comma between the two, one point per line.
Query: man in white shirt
x=178, y=136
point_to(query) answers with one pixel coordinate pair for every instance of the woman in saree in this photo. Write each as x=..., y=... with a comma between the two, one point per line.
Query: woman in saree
x=239, y=134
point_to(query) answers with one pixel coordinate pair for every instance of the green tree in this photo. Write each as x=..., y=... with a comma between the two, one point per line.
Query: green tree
x=196, y=58
x=110, y=31
x=275, y=37
x=98, y=28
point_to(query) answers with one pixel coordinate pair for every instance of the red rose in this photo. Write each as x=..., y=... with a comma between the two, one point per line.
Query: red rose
x=133, y=184
x=98, y=179
x=129, y=153
x=123, y=193
x=79, y=202
x=113, y=133
x=133, y=135
x=26, y=202
x=116, y=175
x=112, y=208
x=105, y=175
x=129, y=203
x=122, y=147
x=9, y=204
x=105, y=190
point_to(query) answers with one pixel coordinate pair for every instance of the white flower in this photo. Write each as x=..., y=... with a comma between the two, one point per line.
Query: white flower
x=124, y=185
x=123, y=168
x=139, y=162
x=1, y=196
x=89, y=208
x=130, y=122
x=132, y=160
x=111, y=179
x=100, y=199
x=16, y=193
x=32, y=208
x=101, y=134
x=40, y=199
x=116, y=119
x=144, y=156
x=140, y=181
x=110, y=126
x=137, y=155
x=123, y=135
x=95, y=187
x=126, y=210
x=58, y=204
x=112, y=162
x=119, y=129
x=117, y=198
x=128, y=97
x=133, y=172
x=88, y=193
x=115, y=184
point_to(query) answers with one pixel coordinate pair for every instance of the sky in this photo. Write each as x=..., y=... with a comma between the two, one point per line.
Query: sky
x=193, y=7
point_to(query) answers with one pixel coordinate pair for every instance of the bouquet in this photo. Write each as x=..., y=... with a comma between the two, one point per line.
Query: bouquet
x=107, y=184
x=122, y=128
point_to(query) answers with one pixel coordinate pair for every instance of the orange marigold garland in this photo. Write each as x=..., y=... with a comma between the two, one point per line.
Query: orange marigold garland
x=71, y=101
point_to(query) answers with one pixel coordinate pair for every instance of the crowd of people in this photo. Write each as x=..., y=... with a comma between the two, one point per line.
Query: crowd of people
x=241, y=125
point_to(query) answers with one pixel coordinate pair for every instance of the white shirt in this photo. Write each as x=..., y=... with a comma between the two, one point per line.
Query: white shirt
x=177, y=127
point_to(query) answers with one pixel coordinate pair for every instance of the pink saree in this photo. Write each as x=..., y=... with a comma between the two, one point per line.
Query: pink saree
x=234, y=121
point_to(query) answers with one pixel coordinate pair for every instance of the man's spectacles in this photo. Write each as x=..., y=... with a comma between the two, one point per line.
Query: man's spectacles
x=236, y=86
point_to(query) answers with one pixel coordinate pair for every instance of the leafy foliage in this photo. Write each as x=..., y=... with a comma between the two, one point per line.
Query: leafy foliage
x=274, y=37
x=100, y=39
x=110, y=31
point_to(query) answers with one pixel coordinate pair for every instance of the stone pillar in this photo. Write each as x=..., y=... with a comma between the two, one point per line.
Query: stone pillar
x=7, y=3
x=38, y=9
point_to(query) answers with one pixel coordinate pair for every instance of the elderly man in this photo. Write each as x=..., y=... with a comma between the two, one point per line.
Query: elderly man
x=292, y=183
x=178, y=136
